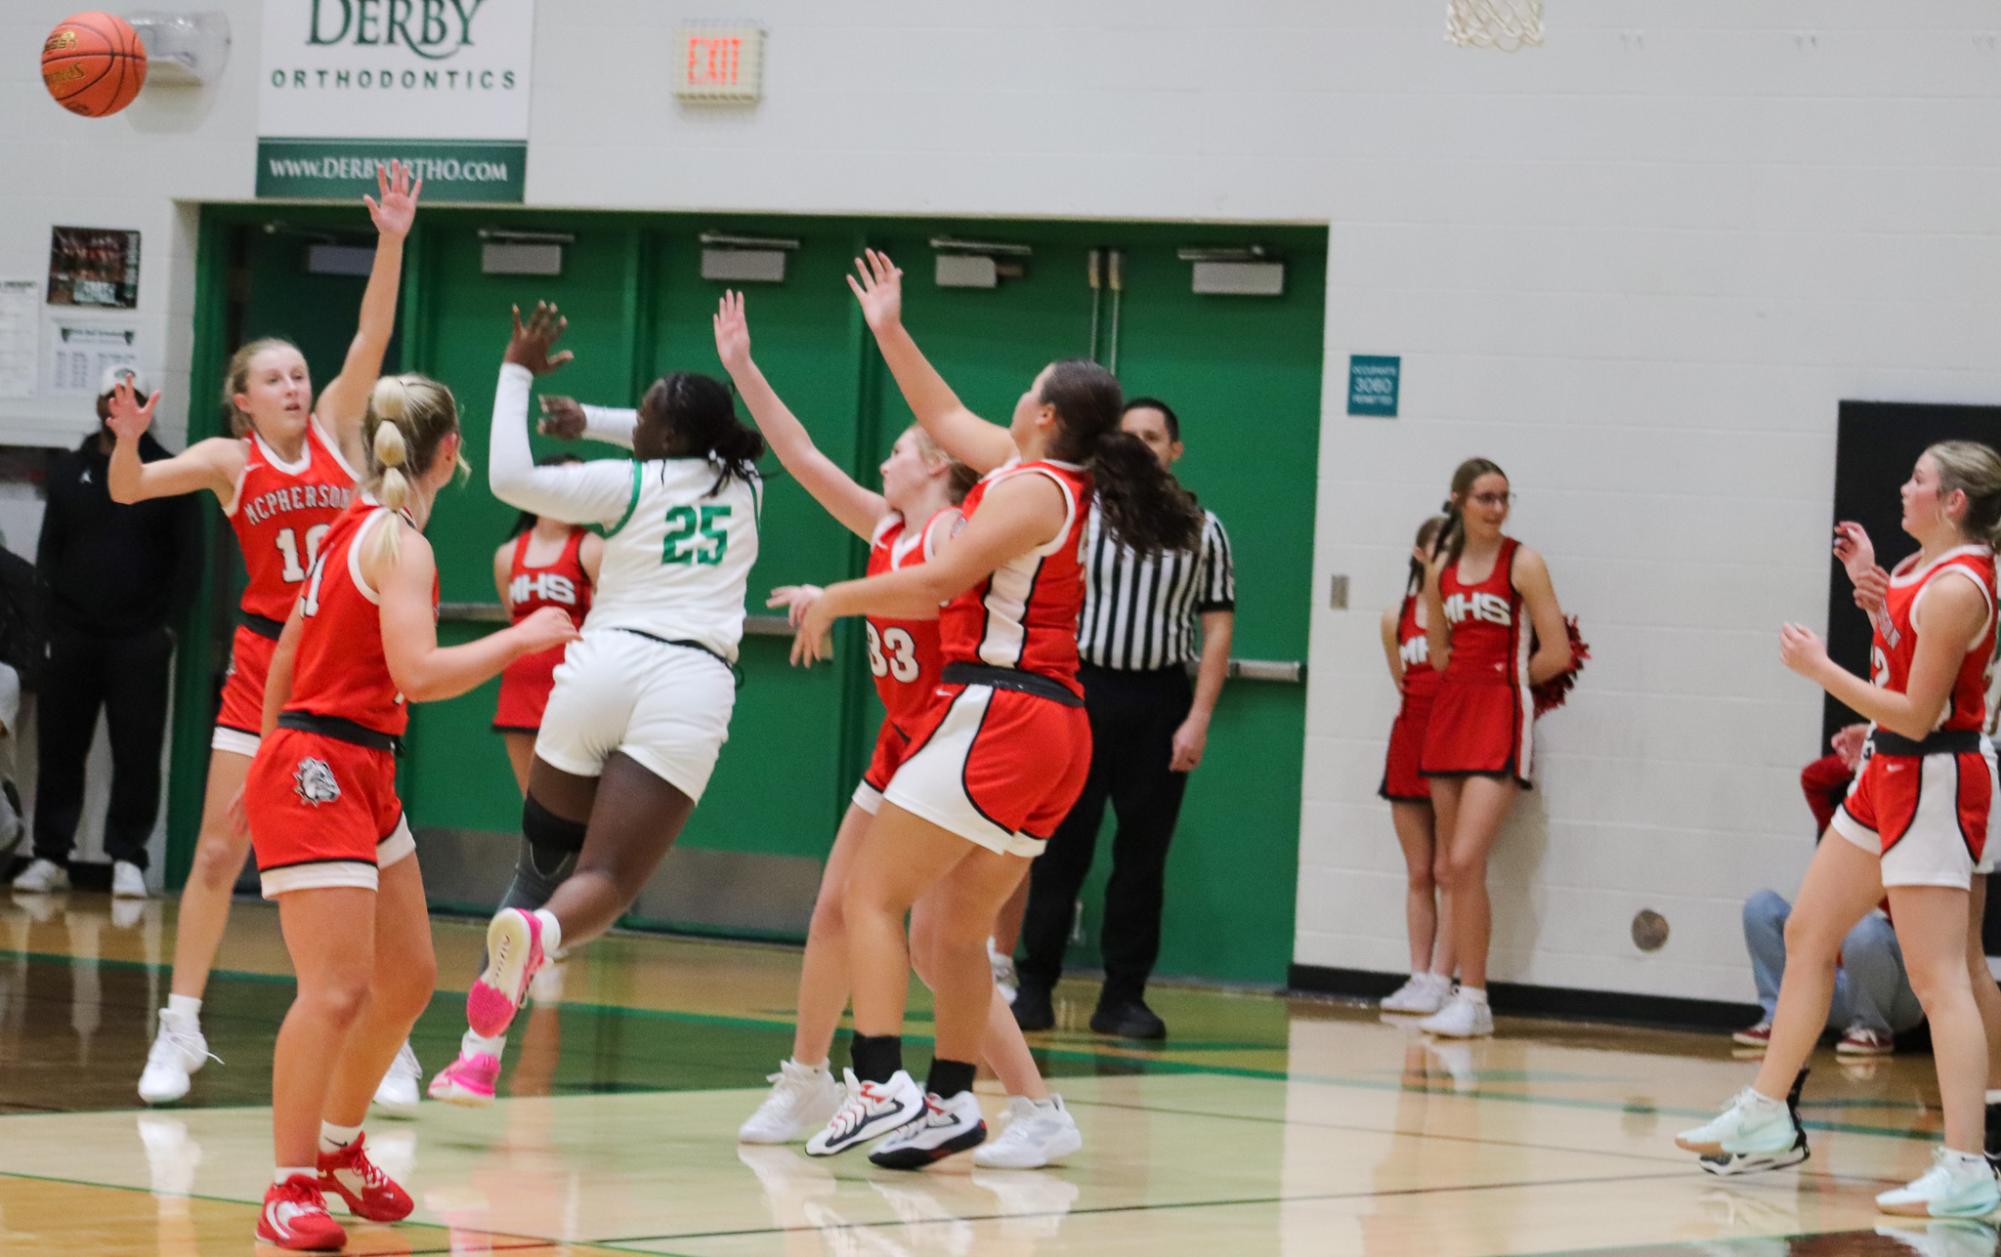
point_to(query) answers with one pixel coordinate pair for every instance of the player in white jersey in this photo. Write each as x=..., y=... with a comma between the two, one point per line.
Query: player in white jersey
x=642, y=701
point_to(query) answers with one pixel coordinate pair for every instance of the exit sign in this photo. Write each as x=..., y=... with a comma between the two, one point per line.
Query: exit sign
x=720, y=62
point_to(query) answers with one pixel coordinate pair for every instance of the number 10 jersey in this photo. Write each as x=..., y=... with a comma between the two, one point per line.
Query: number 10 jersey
x=281, y=511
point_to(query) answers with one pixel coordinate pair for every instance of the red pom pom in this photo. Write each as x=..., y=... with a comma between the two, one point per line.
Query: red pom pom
x=1550, y=694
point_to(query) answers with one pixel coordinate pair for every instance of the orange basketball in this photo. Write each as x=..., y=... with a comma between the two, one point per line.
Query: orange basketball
x=94, y=64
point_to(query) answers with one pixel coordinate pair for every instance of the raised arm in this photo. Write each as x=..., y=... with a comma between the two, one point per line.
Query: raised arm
x=1552, y=650
x=213, y=464
x=599, y=492
x=1018, y=514
x=964, y=435
x=423, y=670
x=856, y=508
x=344, y=402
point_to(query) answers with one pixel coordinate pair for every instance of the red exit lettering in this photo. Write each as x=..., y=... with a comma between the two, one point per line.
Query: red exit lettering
x=714, y=62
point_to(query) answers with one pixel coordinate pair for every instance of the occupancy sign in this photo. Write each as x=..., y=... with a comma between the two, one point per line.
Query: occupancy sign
x=439, y=84
x=1372, y=384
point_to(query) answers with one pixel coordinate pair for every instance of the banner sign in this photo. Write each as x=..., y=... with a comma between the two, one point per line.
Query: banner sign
x=442, y=85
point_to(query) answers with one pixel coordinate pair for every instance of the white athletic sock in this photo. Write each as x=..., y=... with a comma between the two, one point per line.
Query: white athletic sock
x=284, y=1172
x=1994, y=1096
x=493, y=1046
x=1476, y=994
x=552, y=931
x=333, y=1138
x=1962, y=1160
x=184, y=1007
x=819, y=1068
x=1764, y=1100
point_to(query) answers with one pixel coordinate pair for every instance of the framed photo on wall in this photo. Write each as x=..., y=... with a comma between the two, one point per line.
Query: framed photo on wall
x=94, y=266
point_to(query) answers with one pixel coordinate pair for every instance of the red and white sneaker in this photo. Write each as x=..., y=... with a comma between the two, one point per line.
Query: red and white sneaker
x=513, y=954
x=295, y=1217
x=469, y=1080
x=1862, y=1041
x=1757, y=1036
x=369, y=1192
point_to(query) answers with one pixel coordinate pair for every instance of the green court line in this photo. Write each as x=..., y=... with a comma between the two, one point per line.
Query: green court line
x=1076, y=1055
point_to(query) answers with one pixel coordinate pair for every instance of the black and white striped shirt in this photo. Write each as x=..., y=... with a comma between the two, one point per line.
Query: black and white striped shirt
x=1140, y=614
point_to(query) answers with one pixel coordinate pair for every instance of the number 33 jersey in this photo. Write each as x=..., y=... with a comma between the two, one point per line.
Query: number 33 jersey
x=281, y=513
x=903, y=655
x=678, y=561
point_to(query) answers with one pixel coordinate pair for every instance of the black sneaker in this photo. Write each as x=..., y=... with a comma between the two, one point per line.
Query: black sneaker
x=1128, y=1019
x=1032, y=1010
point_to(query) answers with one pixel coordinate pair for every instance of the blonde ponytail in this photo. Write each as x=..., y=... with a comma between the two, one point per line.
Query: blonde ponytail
x=408, y=415
x=1974, y=469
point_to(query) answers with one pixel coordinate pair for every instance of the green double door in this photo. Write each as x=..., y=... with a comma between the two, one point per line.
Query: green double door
x=1243, y=372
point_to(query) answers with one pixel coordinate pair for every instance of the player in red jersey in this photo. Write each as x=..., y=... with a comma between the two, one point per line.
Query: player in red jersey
x=1914, y=824
x=282, y=478
x=905, y=524
x=545, y=563
x=1003, y=748
x=333, y=845
x=1407, y=648
x=1494, y=629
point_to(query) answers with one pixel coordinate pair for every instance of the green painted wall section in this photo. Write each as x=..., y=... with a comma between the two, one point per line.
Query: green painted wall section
x=1244, y=373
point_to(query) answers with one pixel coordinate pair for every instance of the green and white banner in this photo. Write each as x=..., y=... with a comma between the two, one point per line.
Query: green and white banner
x=440, y=84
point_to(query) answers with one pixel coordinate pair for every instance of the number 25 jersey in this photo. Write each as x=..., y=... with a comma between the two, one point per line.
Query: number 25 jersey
x=678, y=564
x=281, y=513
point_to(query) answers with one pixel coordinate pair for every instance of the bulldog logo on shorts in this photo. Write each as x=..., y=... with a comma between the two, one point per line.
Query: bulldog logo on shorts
x=314, y=782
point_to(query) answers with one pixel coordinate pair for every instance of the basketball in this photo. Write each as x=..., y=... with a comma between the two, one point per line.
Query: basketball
x=93, y=64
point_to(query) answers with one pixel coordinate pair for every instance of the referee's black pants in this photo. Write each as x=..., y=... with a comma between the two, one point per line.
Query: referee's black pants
x=1133, y=719
x=126, y=678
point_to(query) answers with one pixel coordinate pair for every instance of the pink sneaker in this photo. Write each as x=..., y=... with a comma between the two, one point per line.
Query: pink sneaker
x=1861, y=1041
x=513, y=954
x=469, y=1080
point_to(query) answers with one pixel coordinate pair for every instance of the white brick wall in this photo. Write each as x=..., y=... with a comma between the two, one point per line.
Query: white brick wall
x=1638, y=266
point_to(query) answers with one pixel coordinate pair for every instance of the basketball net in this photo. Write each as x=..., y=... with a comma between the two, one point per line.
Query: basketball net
x=1508, y=25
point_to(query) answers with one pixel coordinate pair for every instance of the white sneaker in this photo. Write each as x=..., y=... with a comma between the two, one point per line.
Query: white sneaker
x=1957, y=1186
x=1036, y=1134
x=128, y=880
x=1004, y=975
x=1460, y=1018
x=948, y=1126
x=871, y=1110
x=1423, y=993
x=802, y=1099
x=41, y=877
x=396, y=1094
x=1750, y=1134
x=178, y=1053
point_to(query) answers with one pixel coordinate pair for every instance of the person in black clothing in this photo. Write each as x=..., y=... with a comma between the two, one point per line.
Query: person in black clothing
x=1149, y=726
x=116, y=577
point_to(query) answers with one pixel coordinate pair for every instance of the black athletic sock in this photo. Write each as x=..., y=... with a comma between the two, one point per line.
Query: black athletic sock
x=876, y=1056
x=1994, y=1128
x=948, y=1078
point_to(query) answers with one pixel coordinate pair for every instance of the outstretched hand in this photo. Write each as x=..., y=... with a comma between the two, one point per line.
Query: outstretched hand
x=814, y=639
x=529, y=346
x=546, y=627
x=397, y=209
x=879, y=289
x=732, y=333
x=129, y=419
x=562, y=418
x=796, y=599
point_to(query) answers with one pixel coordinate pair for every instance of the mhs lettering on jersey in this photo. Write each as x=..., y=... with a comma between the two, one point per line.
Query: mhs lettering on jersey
x=1491, y=608
x=552, y=587
x=300, y=497
x=1414, y=652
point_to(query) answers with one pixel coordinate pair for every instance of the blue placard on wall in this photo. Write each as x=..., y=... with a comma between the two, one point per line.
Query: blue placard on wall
x=1372, y=384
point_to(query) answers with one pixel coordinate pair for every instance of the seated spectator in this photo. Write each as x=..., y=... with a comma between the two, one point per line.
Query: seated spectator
x=1873, y=1000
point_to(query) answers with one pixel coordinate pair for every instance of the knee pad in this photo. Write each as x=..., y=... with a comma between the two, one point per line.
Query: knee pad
x=549, y=833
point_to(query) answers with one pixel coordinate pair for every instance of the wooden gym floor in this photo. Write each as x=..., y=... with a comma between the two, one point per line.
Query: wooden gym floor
x=1264, y=1125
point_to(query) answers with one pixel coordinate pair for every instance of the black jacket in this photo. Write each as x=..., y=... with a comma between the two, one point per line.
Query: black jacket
x=112, y=570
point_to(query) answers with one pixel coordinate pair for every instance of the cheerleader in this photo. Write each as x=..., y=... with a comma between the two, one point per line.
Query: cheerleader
x=1407, y=648
x=1914, y=824
x=333, y=845
x=1494, y=629
x=545, y=562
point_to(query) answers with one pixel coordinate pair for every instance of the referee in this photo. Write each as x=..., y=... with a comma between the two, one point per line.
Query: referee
x=1137, y=636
